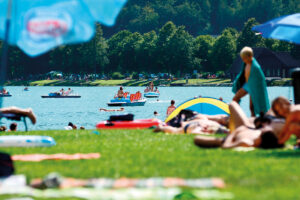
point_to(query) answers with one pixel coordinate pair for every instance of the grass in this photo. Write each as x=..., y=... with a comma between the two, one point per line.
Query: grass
x=203, y=81
x=260, y=174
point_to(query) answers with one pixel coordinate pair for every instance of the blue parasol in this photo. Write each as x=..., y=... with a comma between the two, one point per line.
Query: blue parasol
x=285, y=28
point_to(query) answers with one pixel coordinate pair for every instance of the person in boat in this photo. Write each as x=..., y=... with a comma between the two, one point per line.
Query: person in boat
x=4, y=91
x=120, y=93
x=62, y=91
x=146, y=90
x=251, y=80
x=291, y=113
x=68, y=92
x=151, y=86
x=263, y=132
x=156, y=90
x=112, y=110
x=171, y=108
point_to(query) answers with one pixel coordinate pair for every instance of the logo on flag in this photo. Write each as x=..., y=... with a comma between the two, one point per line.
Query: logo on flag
x=44, y=24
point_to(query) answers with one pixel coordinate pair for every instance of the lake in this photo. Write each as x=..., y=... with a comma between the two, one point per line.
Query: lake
x=56, y=113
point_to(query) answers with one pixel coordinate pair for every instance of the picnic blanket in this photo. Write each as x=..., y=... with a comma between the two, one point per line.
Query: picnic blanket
x=60, y=156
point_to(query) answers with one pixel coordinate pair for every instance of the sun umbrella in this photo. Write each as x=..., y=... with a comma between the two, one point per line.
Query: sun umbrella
x=283, y=28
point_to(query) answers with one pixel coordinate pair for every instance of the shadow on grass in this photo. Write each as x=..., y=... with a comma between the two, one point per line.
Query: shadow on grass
x=282, y=154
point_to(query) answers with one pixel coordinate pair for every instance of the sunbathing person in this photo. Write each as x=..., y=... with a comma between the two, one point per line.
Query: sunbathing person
x=24, y=112
x=112, y=110
x=291, y=113
x=198, y=126
x=262, y=132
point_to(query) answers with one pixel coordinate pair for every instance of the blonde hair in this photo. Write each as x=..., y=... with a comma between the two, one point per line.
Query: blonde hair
x=246, y=51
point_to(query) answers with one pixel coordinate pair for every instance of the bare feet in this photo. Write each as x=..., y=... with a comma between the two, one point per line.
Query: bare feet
x=31, y=115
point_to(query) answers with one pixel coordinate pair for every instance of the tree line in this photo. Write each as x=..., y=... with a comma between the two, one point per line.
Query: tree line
x=200, y=17
x=172, y=49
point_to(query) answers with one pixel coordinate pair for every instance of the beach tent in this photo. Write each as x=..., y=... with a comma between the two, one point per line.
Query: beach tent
x=203, y=105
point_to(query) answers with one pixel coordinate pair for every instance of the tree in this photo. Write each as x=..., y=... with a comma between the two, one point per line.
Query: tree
x=146, y=57
x=223, y=52
x=247, y=36
x=180, y=50
x=202, y=49
x=163, y=46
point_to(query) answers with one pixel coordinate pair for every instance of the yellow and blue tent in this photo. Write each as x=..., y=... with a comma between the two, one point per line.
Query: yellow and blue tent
x=203, y=105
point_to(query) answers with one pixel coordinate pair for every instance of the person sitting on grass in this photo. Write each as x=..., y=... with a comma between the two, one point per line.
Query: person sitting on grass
x=291, y=113
x=13, y=127
x=261, y=133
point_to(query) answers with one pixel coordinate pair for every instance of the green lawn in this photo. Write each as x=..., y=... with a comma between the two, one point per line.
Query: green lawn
x=260, y=174
x=203, y=81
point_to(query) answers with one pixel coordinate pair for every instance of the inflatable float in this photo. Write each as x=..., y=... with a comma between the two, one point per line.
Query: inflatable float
x=58, y=95
x=151, y=95
x=132, y=100
x=26, y=141
x=135, y=124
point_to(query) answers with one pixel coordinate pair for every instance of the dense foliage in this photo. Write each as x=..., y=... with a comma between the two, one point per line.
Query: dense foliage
x=172, y=36
x=199, y=16
x=171, y=50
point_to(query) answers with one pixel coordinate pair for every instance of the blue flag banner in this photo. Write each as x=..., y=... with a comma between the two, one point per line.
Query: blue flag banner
x=38, y=26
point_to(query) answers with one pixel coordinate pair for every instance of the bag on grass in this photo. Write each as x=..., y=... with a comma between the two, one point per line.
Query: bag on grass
x=6, y=165
x=183, y=116
x=124, y=117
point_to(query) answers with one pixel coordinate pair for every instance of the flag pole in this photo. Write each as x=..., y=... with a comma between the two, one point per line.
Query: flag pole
x=4, y=56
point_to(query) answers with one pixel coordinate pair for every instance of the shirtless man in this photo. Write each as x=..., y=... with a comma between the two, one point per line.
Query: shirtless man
x=151, y=85
x=244, y=135
x=291, y=113
x=120, y=93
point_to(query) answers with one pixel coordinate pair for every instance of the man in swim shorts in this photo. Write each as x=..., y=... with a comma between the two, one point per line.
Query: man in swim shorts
x=251, y=81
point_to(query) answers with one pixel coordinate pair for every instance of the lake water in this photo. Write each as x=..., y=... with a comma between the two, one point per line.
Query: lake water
x=56, y=113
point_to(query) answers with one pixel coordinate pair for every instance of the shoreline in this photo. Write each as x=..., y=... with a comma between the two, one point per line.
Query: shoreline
x=143, y=83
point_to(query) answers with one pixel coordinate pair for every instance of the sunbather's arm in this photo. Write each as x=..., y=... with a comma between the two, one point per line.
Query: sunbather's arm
x=292, y=126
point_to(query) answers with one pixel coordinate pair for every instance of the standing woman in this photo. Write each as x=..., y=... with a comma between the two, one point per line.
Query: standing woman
x=252, y=81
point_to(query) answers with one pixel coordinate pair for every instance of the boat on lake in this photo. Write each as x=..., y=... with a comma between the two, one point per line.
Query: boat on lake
x=128, y=100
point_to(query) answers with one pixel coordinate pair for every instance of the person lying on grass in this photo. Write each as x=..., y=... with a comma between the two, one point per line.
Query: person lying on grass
x=18, y=111
x=196, y=126
x=291, y=113
x=262, y=133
